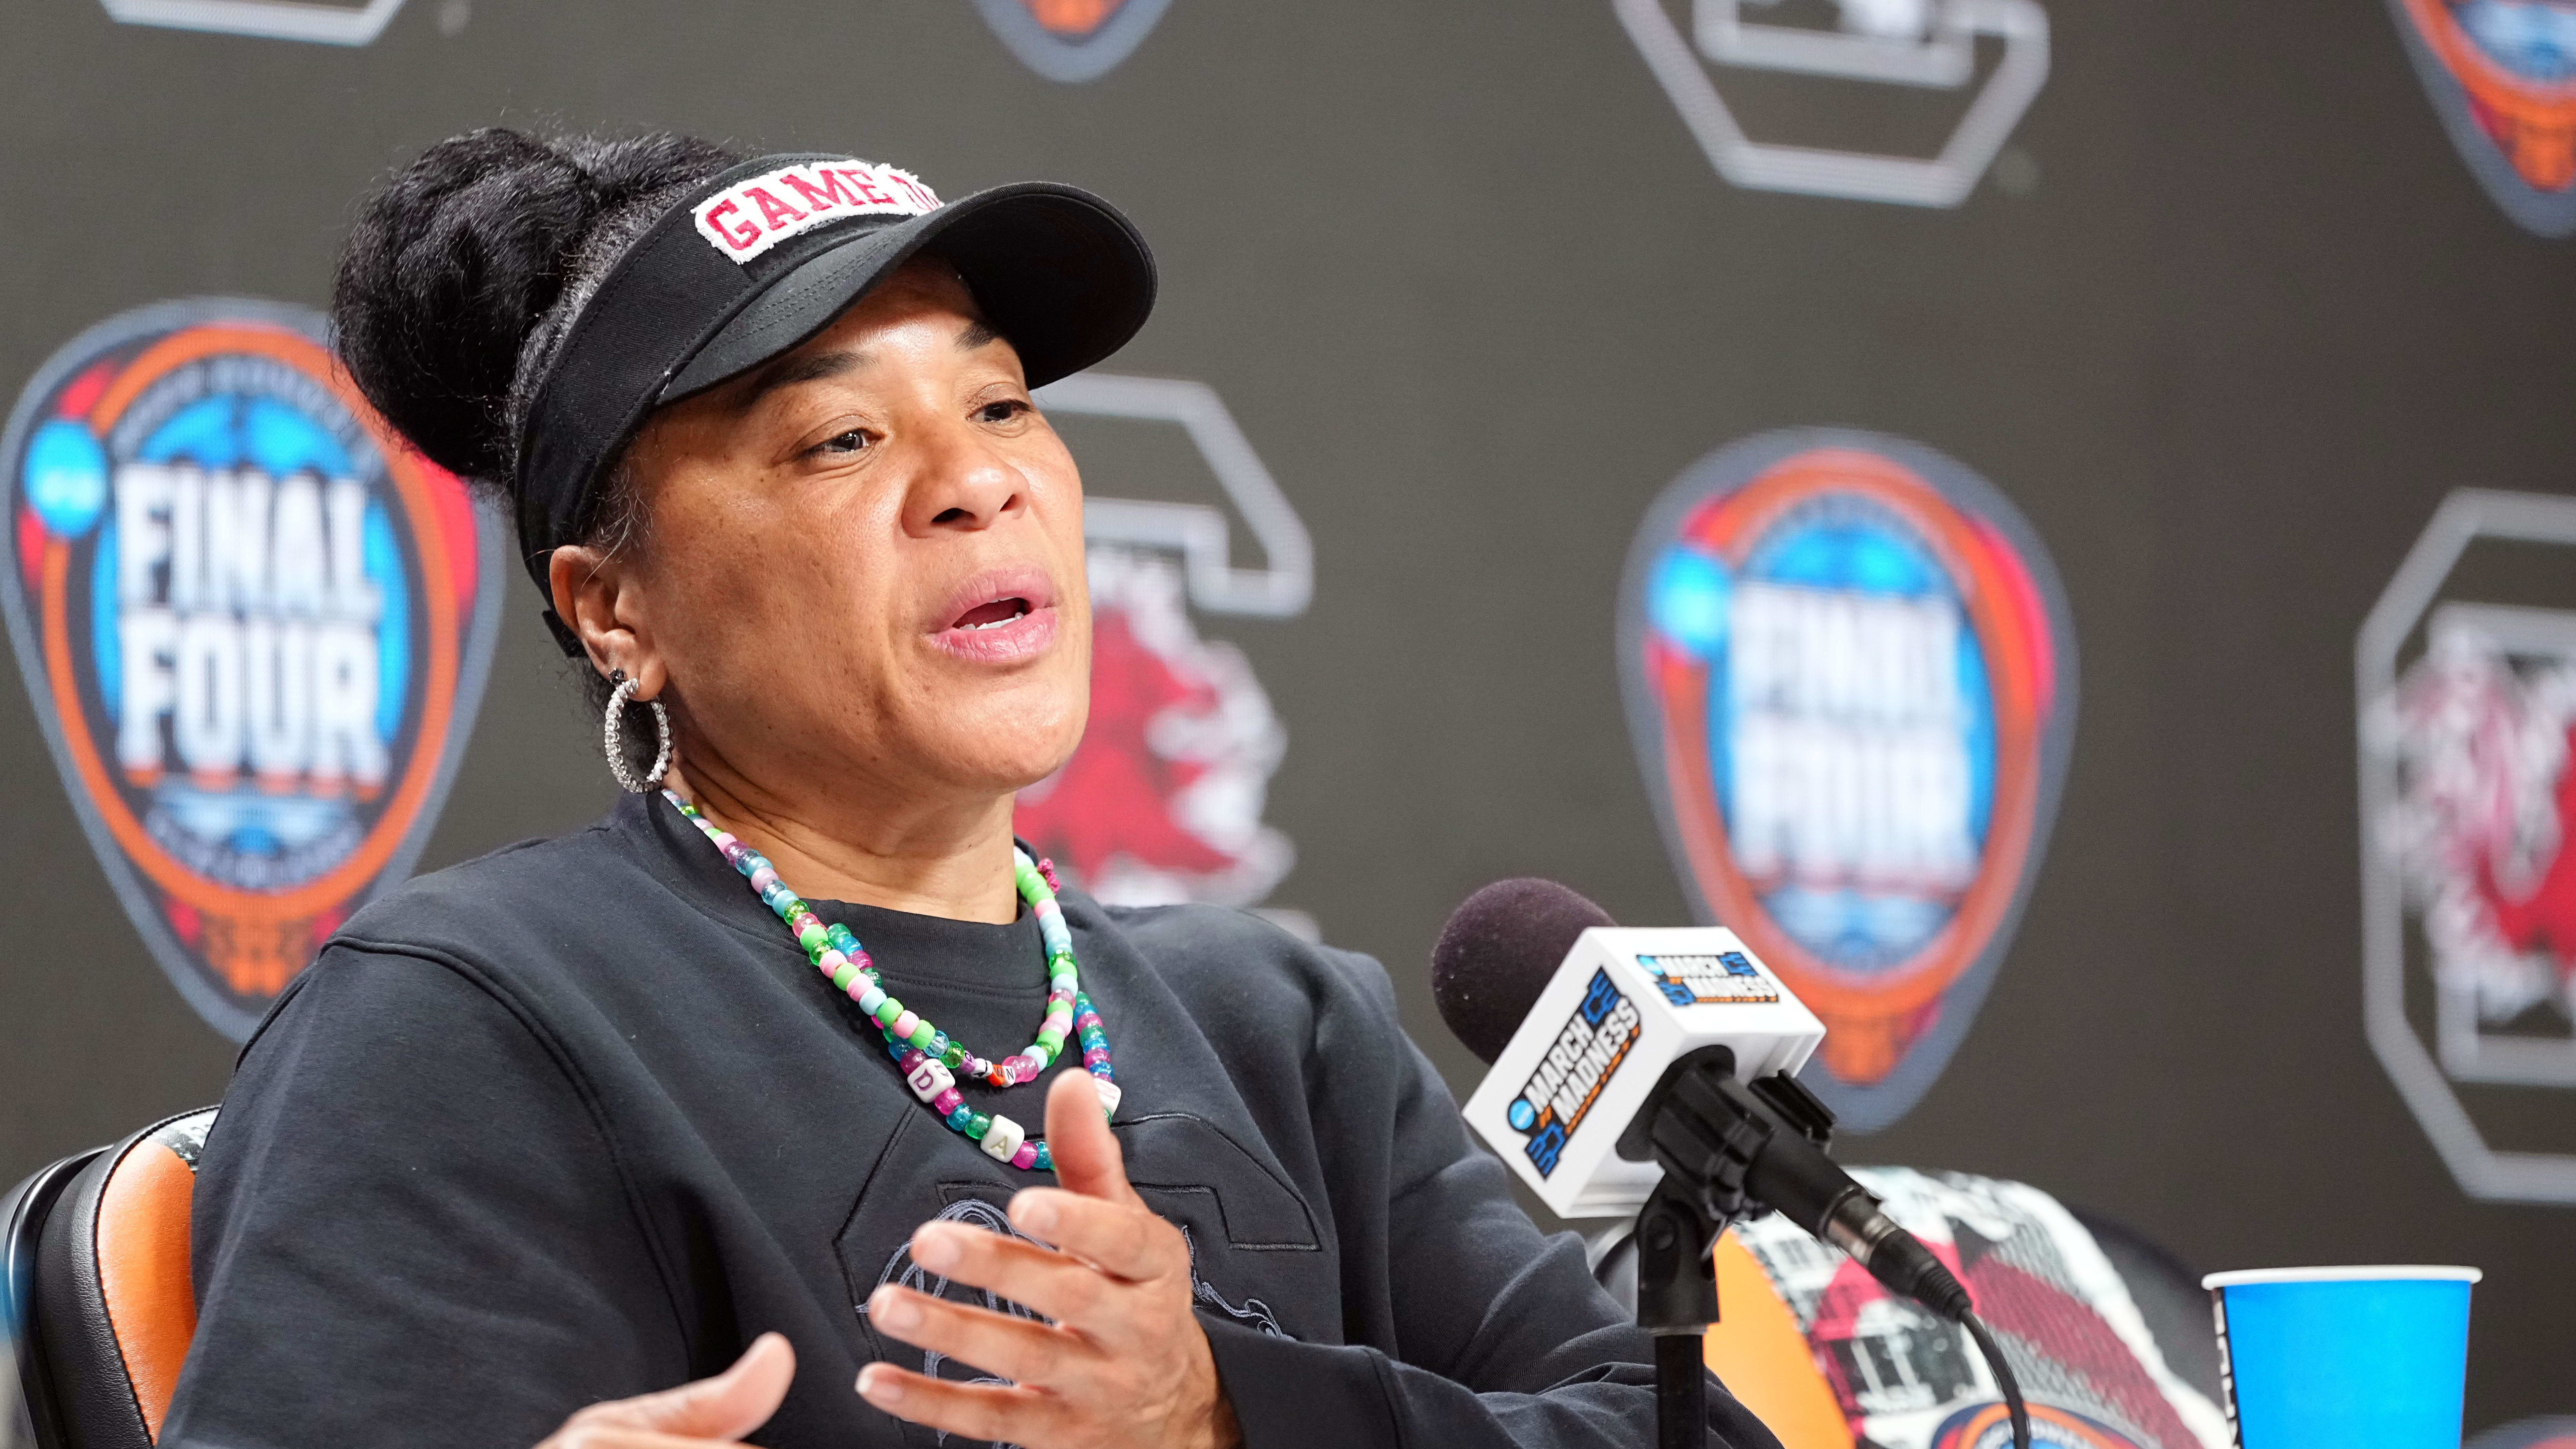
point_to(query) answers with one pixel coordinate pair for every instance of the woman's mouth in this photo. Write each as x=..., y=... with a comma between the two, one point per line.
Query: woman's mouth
x=1001, y=617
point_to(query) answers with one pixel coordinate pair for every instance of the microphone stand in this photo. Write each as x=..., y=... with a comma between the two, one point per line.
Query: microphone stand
x=1706, y=1128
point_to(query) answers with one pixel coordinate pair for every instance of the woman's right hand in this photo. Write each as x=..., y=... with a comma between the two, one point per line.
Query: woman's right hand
x=699, y=1415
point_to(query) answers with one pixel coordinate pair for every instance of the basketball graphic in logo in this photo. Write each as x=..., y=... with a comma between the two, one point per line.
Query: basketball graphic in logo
x=254, y=625
x=1851, y=679
x=1072, y=40
x=2503, y=75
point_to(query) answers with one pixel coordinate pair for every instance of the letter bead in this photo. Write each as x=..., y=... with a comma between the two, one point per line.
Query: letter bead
x=928, y=1079
x=1003, y=1139
x=929, y=1060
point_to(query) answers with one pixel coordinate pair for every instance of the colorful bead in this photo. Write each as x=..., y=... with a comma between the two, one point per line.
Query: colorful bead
x=932, y=1063
x=1001, y=1138
x=928, y=1079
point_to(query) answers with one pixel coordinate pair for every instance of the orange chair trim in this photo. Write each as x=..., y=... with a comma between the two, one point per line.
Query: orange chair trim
x=143, y=1271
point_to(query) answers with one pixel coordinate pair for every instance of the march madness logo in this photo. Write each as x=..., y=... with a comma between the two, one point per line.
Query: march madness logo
x=2502, y=73
x=1851, y=679
x=1579, y=1063
x=1726, y=979
x=1072, y=40
x=254, y=626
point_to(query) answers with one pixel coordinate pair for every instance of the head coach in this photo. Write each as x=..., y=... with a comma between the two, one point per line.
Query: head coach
x=791, y=1101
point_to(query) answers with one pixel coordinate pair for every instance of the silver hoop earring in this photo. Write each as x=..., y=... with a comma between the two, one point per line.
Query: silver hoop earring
x=615, y=742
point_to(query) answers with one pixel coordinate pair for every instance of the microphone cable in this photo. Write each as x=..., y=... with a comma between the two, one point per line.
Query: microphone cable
x=2004, y=1379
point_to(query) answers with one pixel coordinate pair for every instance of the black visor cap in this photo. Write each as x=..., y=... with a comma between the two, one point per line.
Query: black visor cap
x=1056, y=270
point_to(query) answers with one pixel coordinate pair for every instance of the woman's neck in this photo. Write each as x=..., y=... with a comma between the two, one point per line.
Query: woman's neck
x=933, y=858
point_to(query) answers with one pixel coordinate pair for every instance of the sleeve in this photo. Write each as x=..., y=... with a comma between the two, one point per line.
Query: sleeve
x=409, y=1229
x=1502, y=1338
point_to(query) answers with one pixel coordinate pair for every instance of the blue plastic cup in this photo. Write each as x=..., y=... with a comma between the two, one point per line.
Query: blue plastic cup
x=2344, y=1358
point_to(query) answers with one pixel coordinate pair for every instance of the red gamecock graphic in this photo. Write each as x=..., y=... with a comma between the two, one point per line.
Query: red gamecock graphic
x=2484, y=820
x=1162, y=802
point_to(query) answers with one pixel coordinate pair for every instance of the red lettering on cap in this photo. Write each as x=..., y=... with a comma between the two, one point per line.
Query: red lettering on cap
x=919, y=193
x=824, y=197
x=715, y=219
x=867, y=187
x=772, y=210
x=833, y=190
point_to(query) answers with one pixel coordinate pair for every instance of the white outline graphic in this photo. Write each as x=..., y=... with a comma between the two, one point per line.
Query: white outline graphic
x=266, y=19
x=1197, y=531
x=1943, y=58
x=2465, y=516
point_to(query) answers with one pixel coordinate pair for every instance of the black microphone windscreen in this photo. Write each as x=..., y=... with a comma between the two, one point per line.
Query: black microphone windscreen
x=1497, y=952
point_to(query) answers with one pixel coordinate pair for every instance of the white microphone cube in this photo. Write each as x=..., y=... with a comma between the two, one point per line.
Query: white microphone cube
x=1627, y=1002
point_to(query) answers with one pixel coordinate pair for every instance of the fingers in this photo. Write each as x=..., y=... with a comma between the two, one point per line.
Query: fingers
x=725, y=1407
x=1135, y=1248
x=1019, y=1349
x=1087, y=1158
x=1124, y=1241
x=1044, y=1281
x=993, y=1412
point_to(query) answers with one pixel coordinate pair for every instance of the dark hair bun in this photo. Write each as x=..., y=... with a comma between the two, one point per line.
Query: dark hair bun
x=454, y=264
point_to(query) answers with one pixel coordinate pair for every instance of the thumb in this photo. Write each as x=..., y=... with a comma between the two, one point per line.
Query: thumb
x=1087, y=1156
x=725, y=1407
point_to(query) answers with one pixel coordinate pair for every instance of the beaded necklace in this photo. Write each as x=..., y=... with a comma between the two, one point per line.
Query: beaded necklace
x=927, y=1056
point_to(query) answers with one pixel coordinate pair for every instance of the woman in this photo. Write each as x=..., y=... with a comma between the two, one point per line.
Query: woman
x=574, y=1123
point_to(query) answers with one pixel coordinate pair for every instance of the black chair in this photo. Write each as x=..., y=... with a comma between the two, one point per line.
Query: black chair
x=94, y=1261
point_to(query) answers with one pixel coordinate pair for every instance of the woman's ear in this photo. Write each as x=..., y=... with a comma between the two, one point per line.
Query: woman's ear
x=598, y=596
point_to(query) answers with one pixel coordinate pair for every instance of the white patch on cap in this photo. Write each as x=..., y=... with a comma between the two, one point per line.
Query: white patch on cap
x=753, y=215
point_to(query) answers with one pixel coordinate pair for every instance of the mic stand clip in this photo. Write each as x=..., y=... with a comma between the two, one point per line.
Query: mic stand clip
x=1705, y=1128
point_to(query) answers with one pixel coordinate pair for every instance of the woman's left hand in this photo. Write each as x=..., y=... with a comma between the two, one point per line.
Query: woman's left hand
x=1123, y=1363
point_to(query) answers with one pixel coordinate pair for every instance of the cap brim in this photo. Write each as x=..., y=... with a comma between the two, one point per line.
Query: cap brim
x=1057, y=271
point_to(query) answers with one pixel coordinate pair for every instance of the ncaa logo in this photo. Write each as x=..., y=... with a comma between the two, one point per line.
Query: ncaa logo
x=2502, y=73
x=254, y=625
x=1850, y=675
x=1072, y=40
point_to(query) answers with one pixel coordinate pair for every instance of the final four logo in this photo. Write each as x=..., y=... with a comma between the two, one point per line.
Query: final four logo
x=254, y=626
x=2503, y=75
x=1851, y=678
x=1072, y=40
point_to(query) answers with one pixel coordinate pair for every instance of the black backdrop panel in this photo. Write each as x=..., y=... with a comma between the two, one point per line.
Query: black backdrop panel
x=2225, y=320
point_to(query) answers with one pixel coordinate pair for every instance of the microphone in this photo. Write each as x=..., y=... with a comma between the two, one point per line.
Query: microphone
x=1623, y=1054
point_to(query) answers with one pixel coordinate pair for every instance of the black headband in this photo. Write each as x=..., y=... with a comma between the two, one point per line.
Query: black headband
x=762, y=258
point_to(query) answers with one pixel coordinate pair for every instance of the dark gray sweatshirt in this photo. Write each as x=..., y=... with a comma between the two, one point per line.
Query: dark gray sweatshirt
x=577, y=1121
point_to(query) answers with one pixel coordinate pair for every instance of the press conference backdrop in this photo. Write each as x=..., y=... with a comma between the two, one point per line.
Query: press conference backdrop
x=2053, y=520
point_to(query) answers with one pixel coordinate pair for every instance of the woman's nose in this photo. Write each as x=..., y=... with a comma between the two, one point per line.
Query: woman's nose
x=964, y=481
